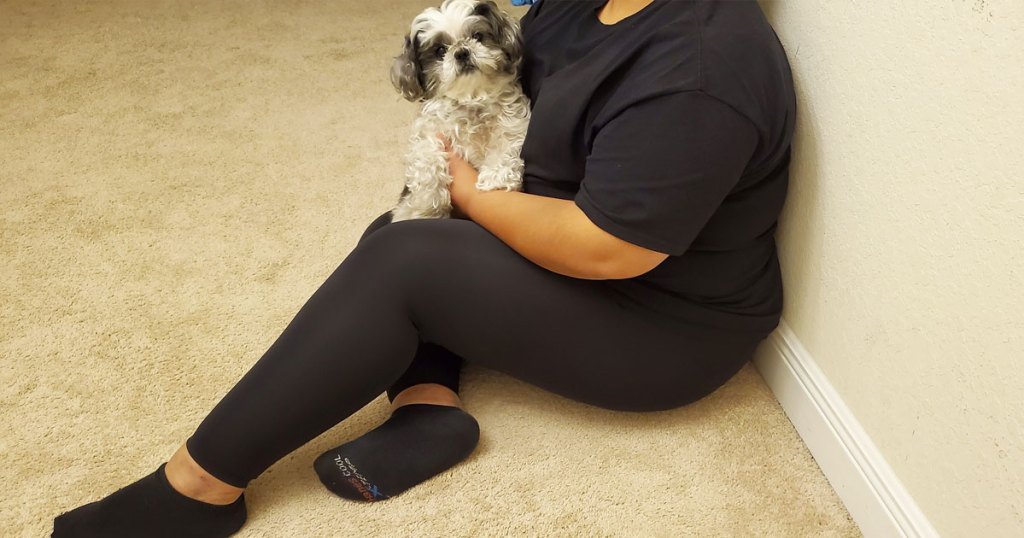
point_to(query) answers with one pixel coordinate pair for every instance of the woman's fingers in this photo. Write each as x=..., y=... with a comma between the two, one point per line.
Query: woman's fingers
x=444, y=140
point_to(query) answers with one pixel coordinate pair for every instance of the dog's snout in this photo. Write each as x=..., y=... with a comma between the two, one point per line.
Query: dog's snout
x=462, y=55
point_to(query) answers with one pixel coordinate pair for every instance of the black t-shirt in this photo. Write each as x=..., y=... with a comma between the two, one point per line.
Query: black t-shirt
x=670, y=129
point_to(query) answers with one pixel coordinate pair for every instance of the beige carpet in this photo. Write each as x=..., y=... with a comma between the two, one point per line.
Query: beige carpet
x=176, y=179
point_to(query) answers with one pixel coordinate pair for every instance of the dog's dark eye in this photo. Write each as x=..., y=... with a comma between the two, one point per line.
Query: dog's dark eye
x=440, y=50
x=478, y=36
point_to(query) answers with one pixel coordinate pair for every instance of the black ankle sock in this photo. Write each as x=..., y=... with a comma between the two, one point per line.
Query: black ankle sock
x=150, y=507
x=416, y=443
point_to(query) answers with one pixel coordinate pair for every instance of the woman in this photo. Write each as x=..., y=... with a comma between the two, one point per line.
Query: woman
x=637, y=271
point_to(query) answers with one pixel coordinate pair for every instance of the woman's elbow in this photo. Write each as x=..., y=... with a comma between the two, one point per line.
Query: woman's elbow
x=630, y=263
x=611, y=256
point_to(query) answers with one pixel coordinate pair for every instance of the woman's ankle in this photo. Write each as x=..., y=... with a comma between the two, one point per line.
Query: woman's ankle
x=191, y=480
x=428, y=393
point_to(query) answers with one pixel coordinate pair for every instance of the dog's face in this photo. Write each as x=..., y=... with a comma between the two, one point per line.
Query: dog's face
x=460, y=50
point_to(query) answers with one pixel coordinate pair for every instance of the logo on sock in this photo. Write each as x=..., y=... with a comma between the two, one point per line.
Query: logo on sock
x=369, y=491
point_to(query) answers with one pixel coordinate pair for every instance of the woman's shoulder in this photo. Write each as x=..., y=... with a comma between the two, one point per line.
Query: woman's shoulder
x=552, y=9
x=726, y=49
x=744, y=64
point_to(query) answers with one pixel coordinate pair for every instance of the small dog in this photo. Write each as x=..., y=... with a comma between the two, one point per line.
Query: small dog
x=462, y=62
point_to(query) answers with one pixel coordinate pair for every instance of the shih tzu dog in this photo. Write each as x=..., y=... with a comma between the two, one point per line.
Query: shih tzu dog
x=462, y=62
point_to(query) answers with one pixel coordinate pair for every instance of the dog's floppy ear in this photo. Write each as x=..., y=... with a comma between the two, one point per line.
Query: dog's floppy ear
x=406, y=71
x=506, y=31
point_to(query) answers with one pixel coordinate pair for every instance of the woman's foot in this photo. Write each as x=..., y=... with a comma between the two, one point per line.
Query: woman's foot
x=427, y=433
x=178, y=499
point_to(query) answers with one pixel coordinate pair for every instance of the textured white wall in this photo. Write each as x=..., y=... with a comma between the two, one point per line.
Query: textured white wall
x=901, y=241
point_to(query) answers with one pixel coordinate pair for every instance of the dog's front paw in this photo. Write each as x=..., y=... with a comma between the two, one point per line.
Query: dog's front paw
x=493, y=179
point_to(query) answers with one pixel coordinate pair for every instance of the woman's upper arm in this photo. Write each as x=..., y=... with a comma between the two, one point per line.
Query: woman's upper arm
x=659, y=170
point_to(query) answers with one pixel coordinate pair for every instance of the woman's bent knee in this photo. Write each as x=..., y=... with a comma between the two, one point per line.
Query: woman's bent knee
x=421, y=236
x=410, y=250
x=382, y=220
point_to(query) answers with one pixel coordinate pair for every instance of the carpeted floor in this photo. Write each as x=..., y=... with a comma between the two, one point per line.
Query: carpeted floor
x=176, y=178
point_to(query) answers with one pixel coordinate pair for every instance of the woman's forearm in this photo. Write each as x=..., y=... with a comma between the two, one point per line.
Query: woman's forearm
x=551, y=232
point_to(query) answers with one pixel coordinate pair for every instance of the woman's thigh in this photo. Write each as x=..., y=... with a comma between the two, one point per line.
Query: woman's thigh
x=470, y=292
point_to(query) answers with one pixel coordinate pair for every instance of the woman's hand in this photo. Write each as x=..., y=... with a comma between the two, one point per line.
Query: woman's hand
x=464, y=176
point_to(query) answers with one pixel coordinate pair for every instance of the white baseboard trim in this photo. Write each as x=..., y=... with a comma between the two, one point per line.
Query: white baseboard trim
x=854, y=467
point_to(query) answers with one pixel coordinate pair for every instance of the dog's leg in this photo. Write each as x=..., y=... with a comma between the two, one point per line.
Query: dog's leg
x=427, y=180
x=502, y=167
x=501, y=174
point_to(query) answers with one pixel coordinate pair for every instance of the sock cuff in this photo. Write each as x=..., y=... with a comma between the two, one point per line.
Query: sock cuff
x=424, y=407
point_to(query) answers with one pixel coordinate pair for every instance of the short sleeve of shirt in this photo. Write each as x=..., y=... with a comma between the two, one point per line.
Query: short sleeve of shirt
x=659, y=169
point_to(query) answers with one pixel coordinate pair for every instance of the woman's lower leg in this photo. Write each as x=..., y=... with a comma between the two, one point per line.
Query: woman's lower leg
x=433, y=375
x=351, y=340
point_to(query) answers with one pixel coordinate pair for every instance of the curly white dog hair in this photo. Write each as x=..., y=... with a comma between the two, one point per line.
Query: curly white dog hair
x=462, y=62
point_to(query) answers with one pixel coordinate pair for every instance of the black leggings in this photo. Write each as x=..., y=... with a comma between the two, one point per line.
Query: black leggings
x=439, y=290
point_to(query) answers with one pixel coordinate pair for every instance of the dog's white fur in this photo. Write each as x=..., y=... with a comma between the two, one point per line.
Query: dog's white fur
x=477, y=103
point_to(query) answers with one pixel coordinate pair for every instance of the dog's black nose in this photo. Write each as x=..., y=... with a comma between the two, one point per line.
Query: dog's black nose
x=462, y=55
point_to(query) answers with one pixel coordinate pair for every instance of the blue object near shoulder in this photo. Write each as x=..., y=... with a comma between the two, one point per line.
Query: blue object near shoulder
x=522, y=2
